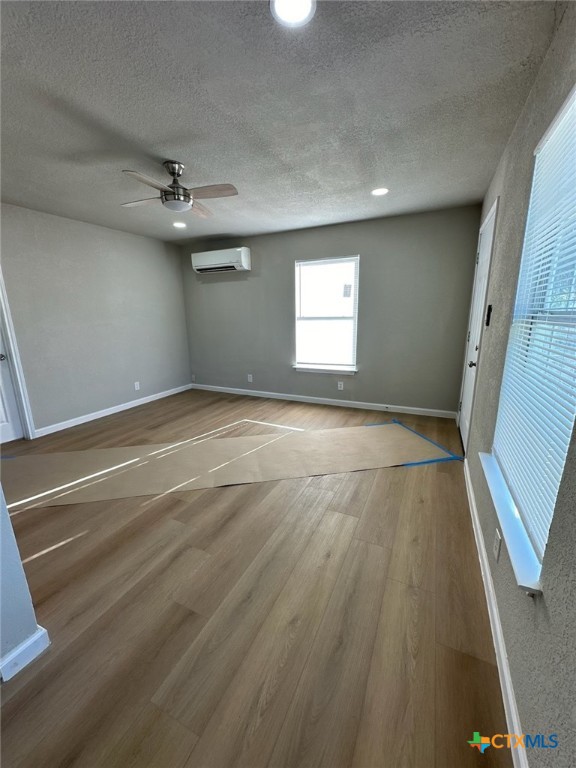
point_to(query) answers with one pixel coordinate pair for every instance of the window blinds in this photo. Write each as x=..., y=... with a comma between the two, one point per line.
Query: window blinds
x=538, y=397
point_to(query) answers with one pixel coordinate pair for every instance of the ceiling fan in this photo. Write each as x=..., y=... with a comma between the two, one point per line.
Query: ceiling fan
x=177, y=198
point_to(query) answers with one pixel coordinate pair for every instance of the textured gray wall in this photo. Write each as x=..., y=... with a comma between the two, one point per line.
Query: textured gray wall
x=415, y=283
x=94, y=311
x=17, y=619
x=540, y=634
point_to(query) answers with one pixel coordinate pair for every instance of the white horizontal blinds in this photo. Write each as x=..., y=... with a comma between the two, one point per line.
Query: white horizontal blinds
x=327, y=311
x=538, y=396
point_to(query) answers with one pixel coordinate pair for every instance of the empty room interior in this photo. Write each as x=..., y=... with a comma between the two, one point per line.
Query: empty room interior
x=288, y=366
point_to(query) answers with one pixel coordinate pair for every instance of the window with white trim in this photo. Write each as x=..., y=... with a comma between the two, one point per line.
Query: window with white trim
x=327, y=313
x=537, y=404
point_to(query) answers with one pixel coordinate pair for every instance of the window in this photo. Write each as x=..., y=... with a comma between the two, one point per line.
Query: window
x=537, y=404
x=327, y=313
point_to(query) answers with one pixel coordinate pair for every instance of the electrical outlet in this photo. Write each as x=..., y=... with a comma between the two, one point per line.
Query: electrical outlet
x=340, y=385
x=497, y=545
x=193, y=378
x=136, y=385
x=250, y=378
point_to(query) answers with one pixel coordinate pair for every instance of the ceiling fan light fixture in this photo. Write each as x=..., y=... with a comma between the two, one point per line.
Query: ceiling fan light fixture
x=179, y=206
x=293, y=13
x=379, y=191
x=177, y=200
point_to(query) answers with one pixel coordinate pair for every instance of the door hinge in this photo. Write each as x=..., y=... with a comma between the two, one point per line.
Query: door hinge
x=477, y=258
x=468, y=339
x=460, y=405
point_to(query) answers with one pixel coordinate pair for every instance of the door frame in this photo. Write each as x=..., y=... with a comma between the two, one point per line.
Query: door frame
x=15, y=363
x=492, y=214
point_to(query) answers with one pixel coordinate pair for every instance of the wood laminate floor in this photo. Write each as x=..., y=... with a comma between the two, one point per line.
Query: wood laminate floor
x=334, y=621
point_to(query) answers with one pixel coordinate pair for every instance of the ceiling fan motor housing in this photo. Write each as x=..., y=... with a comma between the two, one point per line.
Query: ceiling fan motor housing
x=179, y=199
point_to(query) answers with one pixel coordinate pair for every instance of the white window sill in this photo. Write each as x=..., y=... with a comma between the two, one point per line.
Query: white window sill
x=344, y=370
x=527, y=567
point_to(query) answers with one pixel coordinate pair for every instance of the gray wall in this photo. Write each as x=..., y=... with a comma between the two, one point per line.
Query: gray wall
x=94, y=311
x=540, y=635
x=414, y=297
x=17, y=619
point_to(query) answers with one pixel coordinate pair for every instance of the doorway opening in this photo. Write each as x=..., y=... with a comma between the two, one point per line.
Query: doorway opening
x=15, y=412
x=479, y=318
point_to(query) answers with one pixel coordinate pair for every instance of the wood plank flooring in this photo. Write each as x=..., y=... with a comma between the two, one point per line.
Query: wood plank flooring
x=334, y=622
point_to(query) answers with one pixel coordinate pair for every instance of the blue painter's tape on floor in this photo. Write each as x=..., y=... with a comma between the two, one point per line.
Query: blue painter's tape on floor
x=431, y=461
x=442, y=448
x=451, y=456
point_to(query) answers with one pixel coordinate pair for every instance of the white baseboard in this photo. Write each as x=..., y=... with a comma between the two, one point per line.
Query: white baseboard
x=329, y=401
x=41, y=431
x=24, y=653
x=519, y=758
x=108, y=411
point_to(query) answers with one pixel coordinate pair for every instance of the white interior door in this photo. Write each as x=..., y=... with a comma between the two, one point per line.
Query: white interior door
x=476, y=323
x=10, y=423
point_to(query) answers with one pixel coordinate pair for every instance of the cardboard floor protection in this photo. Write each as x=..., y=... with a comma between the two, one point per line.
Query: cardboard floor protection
x=115, y=473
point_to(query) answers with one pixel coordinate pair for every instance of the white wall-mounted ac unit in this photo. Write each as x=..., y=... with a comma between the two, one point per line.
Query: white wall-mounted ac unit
x=228, y=260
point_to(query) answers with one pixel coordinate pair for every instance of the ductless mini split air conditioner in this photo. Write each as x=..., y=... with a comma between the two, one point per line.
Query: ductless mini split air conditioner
x=227, y=260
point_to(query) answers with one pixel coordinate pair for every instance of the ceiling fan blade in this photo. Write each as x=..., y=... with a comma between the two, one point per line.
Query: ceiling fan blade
x=147, y=201
x=213, y=190
x=200, y=210
x=147, y=180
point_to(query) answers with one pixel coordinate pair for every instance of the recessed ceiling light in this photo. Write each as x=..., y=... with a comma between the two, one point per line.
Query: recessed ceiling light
x=293, y=13
x=380, y=191
x=179, y=224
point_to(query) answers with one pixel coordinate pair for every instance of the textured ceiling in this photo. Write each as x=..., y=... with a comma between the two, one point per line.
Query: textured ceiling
x=419, y=97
